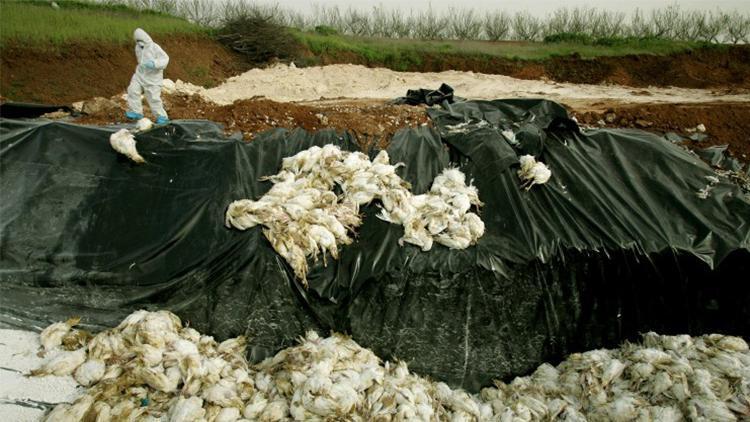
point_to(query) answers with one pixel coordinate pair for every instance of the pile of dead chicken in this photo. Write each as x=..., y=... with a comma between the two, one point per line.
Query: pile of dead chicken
x=304, y=217
x=150, y=367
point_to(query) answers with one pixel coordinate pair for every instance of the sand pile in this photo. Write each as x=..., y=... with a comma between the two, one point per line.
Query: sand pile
x=289, y=83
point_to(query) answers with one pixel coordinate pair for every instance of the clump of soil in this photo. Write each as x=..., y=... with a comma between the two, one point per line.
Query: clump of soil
x=725, y=123
x=372, y=122
x=78, y=71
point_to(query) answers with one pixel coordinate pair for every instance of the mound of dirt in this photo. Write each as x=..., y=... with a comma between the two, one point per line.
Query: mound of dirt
x=724, y=123
x=726, y=66
x=290, y=83
x=713, y=67
x=373, y=123
x=80, y=71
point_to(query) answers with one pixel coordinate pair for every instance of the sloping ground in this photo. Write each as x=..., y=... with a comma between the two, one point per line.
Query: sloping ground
x=725, y=123
x=375, y=121
x=79, y=71
x=701, y=68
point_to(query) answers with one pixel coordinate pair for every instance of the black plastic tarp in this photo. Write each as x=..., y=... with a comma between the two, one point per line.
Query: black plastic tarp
x=618, y=242
x=29, y=110
x=427, y=96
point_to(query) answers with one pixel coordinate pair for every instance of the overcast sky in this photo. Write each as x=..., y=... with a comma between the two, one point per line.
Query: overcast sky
x=537, y=7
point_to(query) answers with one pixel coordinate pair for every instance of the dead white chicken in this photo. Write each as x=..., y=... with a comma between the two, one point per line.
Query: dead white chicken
x=62, y=363
x=71, y=413
x=52, y=336
x=532, y=172
x=187, y=409
x=144, y=124
x=123, y=142
x=90, y=372
x=303, y=217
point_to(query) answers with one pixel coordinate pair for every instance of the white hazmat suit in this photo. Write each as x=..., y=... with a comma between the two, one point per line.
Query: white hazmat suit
x=148, y=76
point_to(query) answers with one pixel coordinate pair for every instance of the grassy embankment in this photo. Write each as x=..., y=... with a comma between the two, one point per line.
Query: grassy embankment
x=38, y=24
x=82, y=49
x=405, y=54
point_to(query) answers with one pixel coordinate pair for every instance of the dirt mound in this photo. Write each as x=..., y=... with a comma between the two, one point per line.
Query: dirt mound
x=374, y=123
x=80, y=71
x=713, y=67
x=290, y=83
x=704, y=68
x=724, y=123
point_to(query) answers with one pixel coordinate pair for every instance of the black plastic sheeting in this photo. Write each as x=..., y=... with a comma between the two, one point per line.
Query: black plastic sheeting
x=427, y=96
x=617, y=243
x=29, y=110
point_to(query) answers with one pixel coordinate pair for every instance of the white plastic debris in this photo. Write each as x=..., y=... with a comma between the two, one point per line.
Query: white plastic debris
x=303, y=216
x=660, y=378
x=144, y=124
x=123, y=142
x=510, y=136
x=533, y=172
x=705, y=192
x=465, y=127
x=701, y=128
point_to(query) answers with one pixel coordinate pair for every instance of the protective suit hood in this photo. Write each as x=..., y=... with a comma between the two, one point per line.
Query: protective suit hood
x=141, y=35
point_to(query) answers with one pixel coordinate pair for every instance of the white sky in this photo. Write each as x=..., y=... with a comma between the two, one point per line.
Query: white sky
x=536, y=7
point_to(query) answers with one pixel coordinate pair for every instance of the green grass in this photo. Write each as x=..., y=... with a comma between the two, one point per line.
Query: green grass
x=401, y=53
x=37, y=23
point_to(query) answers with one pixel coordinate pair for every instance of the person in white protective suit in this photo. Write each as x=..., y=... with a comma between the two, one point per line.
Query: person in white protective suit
x=147, y=79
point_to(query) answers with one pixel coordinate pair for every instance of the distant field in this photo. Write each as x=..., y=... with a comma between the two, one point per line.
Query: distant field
x=38, y=23
x=406, y=51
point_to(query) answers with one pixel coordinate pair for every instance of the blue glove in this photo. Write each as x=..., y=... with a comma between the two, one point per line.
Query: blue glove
x=149, y=64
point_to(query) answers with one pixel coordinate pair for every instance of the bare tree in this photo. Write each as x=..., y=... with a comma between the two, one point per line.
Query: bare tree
x=202, y=12
x=400, y=26
x=430, y=25
x=738, y=27
x=357, y=22
x=463, y=24
x=687, y=27
x=640, y=26
x=328, y=16
x=526, y=26
x=497, y=26
x=711, y=26
x=609, y=24
x=295, y=19
x=665, y=21
x=558, y=22
x=380, y=23
x=580, y=20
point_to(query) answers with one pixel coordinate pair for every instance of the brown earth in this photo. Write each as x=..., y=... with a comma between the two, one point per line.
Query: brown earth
x=727, y=66
x=76, y=72
x=726, y=123
x=80, y=71
x=373, y=123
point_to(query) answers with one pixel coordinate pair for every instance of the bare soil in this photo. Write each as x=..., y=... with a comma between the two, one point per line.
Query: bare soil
x=80, y=71
x=726, y=66
x=725, y=123
x=372, y=122
x=375, y=121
